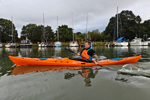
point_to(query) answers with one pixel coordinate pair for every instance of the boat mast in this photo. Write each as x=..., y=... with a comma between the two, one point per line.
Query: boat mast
x=57, y=30
x=12, y=28
x=87, y=25
x=43, y=26
x=117, y=22
x=72, y=26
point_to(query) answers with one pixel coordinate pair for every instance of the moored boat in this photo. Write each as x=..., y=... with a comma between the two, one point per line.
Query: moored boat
x=121, y=42
x=26, y=43
x=70, y=61
x=148, y=40
x=11, y=45
x=57, y=44
x=138, y=42
x=73, y=44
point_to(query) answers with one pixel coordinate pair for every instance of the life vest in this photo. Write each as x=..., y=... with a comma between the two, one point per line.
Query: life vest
x=85, y=55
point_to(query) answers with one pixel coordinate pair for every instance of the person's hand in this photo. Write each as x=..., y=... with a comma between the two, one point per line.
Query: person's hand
x=78, y=54
x=96, y=62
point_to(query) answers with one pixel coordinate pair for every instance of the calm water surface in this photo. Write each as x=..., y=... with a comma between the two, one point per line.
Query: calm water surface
x=69, y=83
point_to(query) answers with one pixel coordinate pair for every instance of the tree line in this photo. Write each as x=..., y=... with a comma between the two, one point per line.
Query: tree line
x=129, y=26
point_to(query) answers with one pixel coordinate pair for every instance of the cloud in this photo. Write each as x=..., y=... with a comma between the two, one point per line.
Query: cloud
x=99, y=12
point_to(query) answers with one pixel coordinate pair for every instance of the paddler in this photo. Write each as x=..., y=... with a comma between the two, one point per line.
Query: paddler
x=88, y=53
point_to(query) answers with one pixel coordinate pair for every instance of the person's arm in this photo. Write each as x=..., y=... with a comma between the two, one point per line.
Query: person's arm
x=96, y=57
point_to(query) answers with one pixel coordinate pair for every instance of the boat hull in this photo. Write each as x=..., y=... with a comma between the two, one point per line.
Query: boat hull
x=121, y=43
x=69, y=62
x=73, y=44
x=25, y=46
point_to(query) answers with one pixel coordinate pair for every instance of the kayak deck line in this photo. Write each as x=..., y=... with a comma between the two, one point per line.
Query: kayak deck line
x=69, y=61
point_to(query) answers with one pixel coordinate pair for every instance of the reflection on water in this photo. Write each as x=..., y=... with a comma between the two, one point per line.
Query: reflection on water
x=25, y=52
x=137, y=50
x=75, y=49
x=12, y=51
x=121, y=50
x=0, y=51
x=87, y=73
x=57, y=51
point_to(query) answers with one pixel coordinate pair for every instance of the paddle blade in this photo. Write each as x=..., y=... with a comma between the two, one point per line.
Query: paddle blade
x=68, y=50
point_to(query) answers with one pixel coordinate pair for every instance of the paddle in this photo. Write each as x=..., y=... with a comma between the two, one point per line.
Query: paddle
x=69, y=50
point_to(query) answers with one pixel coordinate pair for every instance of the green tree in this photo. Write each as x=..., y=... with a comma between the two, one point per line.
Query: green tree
x=49, y=33
x=94, y=35
x=65, y=33
x=32, y=31
x=7, y=29
x=79, y=36
x=129, y=25
x=37, y=33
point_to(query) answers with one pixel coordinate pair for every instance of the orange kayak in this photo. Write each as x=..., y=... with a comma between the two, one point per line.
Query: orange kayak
x=70, y=61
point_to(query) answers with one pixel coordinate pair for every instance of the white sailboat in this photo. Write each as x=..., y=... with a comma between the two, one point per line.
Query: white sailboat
x=10, y=43
x=57, y=43
x=120, y=41
x=43, y=43
x=73, y=43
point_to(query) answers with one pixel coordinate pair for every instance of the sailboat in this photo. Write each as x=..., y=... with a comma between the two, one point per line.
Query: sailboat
x=73, y=43
x=43, y=43
x=57, y=43
x=120, y=41
x=10, y=44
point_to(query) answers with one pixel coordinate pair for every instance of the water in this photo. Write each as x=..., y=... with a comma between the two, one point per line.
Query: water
x=75, y=83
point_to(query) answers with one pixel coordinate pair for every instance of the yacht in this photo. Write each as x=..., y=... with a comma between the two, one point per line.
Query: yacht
x=10, y=44
x=138, y=42
x=148, y=40
x=25, y=43
x=121, y=41
x=44, y=41
x=57, y=43
x=73, y=43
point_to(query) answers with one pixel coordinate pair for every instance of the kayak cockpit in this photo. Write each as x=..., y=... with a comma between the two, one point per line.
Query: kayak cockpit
x=79, y=59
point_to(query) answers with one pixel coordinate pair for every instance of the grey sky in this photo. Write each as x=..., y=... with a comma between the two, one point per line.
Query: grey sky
x=99, y=12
